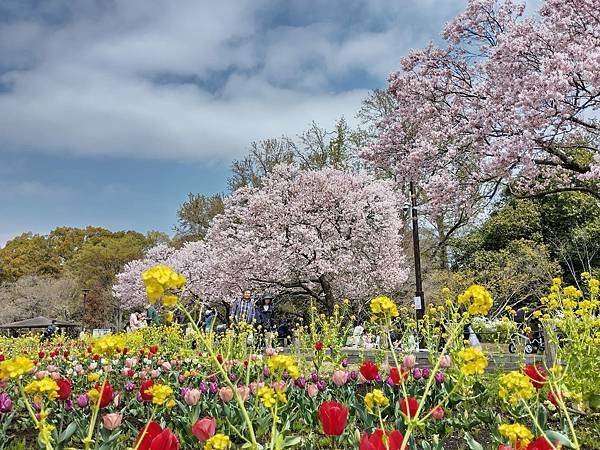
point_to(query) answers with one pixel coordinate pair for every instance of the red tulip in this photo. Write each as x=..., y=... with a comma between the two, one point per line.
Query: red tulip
x=204, y=428
x=125, y=350
x=220, y=359
x=153, y=349
x=375, y=441
x=369, y=370
x=41, y=355
x=153, y=437
x=66, y=354
x=333, y=417
x=106, y=394
x=409, y=406
x=540, y=444
x=536, y=375
x=318, y=346
x=64, y=388
x=554, y=397
x=505, y=447
x=96, y=357
x=395, y=375
x=1, y=357
x=147, y=384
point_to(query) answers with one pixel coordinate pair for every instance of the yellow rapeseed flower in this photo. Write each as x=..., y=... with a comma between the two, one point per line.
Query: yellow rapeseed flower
x=518, y=434
x=160, y=393
x=169, y=300
x=13, y=368
x=109, y=344
x=160, y=278
x=284, y=362
x=478, y=299
x=376, y=398
x=46, y=386
x=384, y=306
x=472, y=361
x=515, y=386
x=267, y=396
x=218, y=442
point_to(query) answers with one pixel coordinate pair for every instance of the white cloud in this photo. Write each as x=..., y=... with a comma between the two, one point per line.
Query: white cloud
x=192, y=79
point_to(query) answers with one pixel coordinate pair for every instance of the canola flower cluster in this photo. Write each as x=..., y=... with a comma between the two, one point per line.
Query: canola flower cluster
x=376, y=398
x=383, y=306
x=472, y=361
x=46, y=386
x=160, y=393
x=514, y=387
x=218, y=442
x=284, y=362
x=270, y=397
x=14, y=368
x=477, y=299
x=518, y=434
x=160, y=279
x=109, y=344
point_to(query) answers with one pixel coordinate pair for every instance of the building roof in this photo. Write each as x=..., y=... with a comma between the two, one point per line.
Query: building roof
x=37, y=322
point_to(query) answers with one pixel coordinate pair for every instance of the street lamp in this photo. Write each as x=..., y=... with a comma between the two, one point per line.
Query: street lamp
x=419, y=294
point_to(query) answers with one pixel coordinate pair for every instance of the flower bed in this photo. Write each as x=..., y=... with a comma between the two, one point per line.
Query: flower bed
x=151, y=390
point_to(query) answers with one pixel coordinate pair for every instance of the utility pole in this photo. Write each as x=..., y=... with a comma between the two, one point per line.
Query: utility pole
x=419, y=294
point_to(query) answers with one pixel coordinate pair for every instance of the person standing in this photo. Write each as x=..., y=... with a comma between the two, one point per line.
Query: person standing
x=265, y=318
x=152, y=315
x=243, y=309
x=210, y=317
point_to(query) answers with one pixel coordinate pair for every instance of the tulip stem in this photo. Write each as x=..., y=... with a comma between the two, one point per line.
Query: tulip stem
x=87, y=442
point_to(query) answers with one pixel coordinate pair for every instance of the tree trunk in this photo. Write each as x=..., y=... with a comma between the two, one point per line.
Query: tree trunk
x=328, y=291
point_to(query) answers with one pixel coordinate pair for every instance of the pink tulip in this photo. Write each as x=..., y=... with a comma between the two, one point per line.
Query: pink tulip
x=437, y=413
x=55, y=375
x=409, y=361
x=339, y=377
x=255, y=386
x=361, y=378
x=280, y=386
x=41, y=374
x=244, y=392
x=445, y=361
x=312, y=390
x=155, y=373
x=225, y=394
x=192, y=397
x=166, y=365
x=112, y=420
x=204, y=428
x=78, y=369
x=124, y=371
x=270, y=351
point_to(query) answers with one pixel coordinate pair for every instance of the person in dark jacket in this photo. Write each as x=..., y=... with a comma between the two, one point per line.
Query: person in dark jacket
x=265, y=318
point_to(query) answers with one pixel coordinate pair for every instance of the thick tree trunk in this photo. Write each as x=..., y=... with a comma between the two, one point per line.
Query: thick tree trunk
x=328, y=292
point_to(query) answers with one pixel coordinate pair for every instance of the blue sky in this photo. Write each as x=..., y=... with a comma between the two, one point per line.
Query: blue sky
x=111, y=111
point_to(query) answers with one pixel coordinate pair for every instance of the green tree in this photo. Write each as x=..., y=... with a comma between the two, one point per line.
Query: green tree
x=195, y=214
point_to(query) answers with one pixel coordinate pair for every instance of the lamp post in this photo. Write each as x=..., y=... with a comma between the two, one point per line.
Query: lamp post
x=419, y=294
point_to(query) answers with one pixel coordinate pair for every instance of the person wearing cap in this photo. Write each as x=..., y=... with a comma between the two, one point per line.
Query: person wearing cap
x=265, y=317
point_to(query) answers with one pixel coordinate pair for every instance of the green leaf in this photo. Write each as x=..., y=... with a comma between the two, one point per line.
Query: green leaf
x=555, y=436
x=67, y=433
x=292, y=441
x=542, y=416
x=472, y=443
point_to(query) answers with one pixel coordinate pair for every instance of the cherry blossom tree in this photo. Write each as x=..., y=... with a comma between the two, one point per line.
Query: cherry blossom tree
x=510, y=102
x=323, y=234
